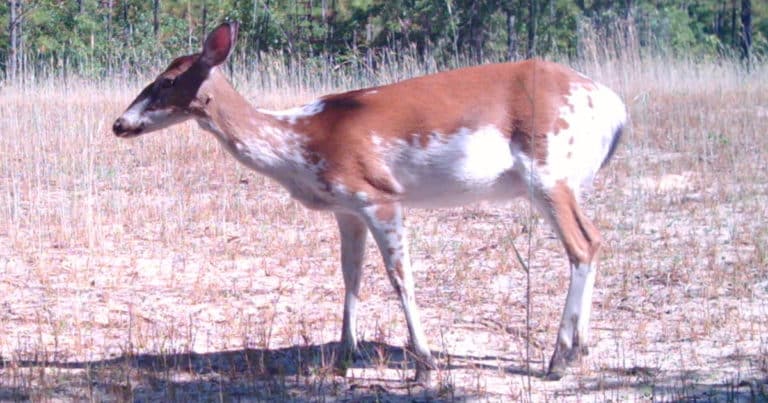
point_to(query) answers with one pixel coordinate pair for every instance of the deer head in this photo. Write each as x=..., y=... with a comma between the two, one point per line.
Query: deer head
x=176, y=94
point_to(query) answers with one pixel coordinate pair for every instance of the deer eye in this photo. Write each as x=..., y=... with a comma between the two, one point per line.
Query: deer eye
x=167, y=82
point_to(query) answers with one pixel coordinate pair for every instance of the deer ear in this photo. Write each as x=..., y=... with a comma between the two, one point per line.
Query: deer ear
x=219, y=44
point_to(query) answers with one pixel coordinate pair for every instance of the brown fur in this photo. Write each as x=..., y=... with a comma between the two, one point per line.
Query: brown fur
x=581, y=238
x=523, y=99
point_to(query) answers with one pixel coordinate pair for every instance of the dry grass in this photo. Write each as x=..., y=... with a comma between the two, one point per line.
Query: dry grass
x=159, y=269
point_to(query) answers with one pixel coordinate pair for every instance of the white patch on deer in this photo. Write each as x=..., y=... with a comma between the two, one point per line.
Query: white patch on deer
x=377, y=141
x=457, y=168
x=278, y=154
x=339, y=189
x=138, y=116
x=486, y=155
x=132, y=117
x=253, y=151
x=293, y=115
x=575, y=152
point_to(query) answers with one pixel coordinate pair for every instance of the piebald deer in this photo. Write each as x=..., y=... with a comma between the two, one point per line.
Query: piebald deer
x=492, y=132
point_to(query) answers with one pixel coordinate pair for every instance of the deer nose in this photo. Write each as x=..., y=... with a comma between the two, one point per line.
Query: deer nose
x=119, y=127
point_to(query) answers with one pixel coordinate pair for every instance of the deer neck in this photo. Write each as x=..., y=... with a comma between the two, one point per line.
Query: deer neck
x=257, y=139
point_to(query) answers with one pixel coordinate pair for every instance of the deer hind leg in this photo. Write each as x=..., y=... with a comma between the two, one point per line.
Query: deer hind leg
x=353, y=235
x=582, y=242
x=386, y=224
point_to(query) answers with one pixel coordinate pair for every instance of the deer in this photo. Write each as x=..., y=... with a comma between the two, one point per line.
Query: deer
x=491, y=132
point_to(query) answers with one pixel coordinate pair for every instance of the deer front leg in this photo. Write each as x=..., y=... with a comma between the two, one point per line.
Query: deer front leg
x=353, y=235
x=386, y=224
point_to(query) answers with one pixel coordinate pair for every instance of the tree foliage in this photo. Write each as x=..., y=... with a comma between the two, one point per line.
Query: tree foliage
x=108, y=36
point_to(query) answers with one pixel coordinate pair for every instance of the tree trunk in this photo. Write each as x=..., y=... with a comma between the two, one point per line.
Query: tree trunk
x=110, y=8
x=734, y=40
x=13, y=37
x=550, y=42
x=531, y=29
x=255, y=29
x=204, y=28
x=720, y=23
x=511, y=36
x=156, y=17
x=454, y=33
x=324, y=17
x=126, y=26
x=190, y=31
x=474, y=34
x=110, y=52
x=746, y=26
x=21, y=57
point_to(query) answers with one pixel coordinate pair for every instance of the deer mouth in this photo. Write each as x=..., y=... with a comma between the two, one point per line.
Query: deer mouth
x=132, y=133
x=123, y=131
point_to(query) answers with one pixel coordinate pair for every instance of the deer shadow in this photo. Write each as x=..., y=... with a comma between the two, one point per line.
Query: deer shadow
x=307, y=373
x=291, y=373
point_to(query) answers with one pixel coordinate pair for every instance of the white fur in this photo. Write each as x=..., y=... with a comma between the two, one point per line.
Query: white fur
x=574, y=154
x=376, y=140
x=134, y=115
x=293, y=115
x=456, y=169
x=390, y=235
x=138, y=116
x=578, y=306
x=278, y=154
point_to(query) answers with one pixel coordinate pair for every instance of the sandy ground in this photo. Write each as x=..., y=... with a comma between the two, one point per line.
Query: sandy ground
x=252, y=310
